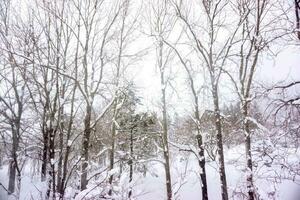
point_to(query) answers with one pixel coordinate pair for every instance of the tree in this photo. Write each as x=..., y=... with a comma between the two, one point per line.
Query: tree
x=118, y=104
x=257, y=34
x=136, y=132
x=197, y=121
x=213, y=55
x=13, y=97
x=92, y=48
x=161, y=24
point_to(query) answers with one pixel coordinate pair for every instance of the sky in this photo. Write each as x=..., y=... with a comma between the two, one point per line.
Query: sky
x=284, y=67
x=280, y=69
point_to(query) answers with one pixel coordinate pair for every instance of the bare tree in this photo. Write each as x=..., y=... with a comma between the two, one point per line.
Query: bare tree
x=214, y=56
x=117, y=104
x=93, y=61
x=196, y=120
x=258, y=32
x=13, y=98
x=161, y=24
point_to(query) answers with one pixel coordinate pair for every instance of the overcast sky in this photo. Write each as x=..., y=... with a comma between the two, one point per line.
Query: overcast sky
x=282, y=68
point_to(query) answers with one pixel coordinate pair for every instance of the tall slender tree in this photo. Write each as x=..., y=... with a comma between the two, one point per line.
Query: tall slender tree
x=161, y=24
x=196, y=119
x=207, y=47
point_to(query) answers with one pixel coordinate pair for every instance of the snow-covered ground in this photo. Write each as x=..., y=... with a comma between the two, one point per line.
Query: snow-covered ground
x=186, y=182
x=154, y=187
x=31, y=187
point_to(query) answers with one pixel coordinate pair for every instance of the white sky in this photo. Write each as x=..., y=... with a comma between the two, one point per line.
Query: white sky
x=283, y=68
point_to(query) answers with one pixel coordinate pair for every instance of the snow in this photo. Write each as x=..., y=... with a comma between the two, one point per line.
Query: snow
x=119, y=105
x=185, y=172
x=69, y=143
x=48, y=123
x=31, y=188
x=185, y=179
x=113, y=171
x=259, y=125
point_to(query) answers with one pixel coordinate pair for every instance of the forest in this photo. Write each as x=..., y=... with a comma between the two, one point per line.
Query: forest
x=150, y=99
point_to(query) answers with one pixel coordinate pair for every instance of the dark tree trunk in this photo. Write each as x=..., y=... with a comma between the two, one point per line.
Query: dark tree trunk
x=200, y=147
x=130, y=162
x=1, y=158
x=12, y=177
x=68, y=148
x=297, y=12
x=64, y=172
x=65, y=160
x=45, y=155
x=219, y=141
x=60, y=159
x=13, y=165
x=52, y=181
x=202, y=168
x=85, y=146
x=52, y=158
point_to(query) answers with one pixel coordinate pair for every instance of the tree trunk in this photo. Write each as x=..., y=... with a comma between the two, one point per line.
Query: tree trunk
x=167, y=163
x=112, y=150
x=249, y=178
x=0, y=160
x=166, y=147
x=297, y=12
x=130, y=162
x=64, y=172
x=197, y=122
x=202, y=168
x=45, y=156
x=52, y=159
x=60, y=159
x=51, y=182
x=12, y=176
x=219, y=141
x=85, y=145
x=13, y=162
x=18, y=185
x=68, y=148
x=164, y=122
x=200, y=145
